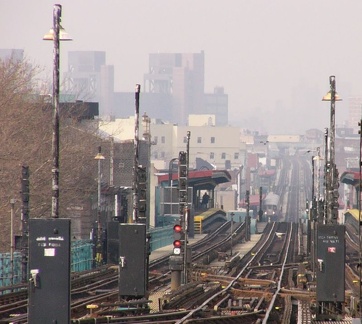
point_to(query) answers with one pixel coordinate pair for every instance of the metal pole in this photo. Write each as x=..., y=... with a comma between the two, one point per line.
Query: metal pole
x=247, y=220
x=99, y=250
x=313, y=220
x=331, y=210
x=359, y=220
x=146, y=121
x=311, y=206
x=326, y=177
x=136, y=160
x=260, y=204
x=186, y=210
x=231, y=233
x=12, y=203
x=57, y=12
x=111, y=164
x=24, y=223
x=99, y=200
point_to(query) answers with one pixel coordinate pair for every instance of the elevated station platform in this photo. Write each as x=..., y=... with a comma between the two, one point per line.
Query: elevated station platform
x=207, y=217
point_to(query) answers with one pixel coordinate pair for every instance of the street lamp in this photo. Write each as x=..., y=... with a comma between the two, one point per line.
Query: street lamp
x=99, y=157
x=231, y=233
x=56, y=34
x=332, y=183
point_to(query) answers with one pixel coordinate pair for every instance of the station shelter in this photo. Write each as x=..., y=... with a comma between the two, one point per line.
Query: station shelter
x=199, y=182
x=353, y=179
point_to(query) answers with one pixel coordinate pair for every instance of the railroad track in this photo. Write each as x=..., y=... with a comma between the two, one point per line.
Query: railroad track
x=206, y=295
x=239, y=287
x=100, y=286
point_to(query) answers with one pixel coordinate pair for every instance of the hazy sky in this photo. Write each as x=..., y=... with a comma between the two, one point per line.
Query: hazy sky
x=273, y=57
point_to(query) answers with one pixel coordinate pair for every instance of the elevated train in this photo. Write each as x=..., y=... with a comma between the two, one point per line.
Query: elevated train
x=271, y=207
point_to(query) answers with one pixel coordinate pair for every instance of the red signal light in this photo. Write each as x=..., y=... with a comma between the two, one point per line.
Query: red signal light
x=177, y=228
x=177, y=243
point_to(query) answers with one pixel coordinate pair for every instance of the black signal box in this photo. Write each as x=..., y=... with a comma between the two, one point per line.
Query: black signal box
x=330, y=263
x=132, y=260
x=49, y=271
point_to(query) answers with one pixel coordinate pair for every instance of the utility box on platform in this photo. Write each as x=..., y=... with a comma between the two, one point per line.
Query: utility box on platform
x=49, y=271
x=330, y=263
x=132, y=260
x=113, y=242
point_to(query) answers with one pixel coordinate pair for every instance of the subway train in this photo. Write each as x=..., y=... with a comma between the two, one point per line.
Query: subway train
x=271, y=207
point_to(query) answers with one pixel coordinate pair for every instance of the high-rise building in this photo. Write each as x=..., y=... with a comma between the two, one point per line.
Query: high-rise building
x=180, y=75
x=89, y=78
x=173, y=87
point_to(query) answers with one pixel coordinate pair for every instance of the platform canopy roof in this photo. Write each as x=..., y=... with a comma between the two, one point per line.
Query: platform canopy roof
x=202, y=179
x=350, y=177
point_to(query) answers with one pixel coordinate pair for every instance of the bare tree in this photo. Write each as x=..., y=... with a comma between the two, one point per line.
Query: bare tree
x=25, y=139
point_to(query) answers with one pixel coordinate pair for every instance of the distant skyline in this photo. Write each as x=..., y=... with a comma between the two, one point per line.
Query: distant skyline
x=273, y=58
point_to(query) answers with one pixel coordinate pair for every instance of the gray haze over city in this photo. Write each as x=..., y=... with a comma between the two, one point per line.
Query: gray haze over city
x=273, y=57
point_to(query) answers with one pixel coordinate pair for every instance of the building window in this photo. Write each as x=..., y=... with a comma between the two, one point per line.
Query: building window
x=223, y=156
x=212, y=140
x=163, y=140
x=236, y=156
x=199, y=140
x=212, y=155
x=155, y=140
x=155, y=155
x=162, y=155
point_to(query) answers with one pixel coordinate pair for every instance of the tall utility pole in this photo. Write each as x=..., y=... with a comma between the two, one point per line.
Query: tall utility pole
x=49, y=260
x=146, y=122
x=332, y=184
x=359, y=217
x=133, y=238
x=231, y=233
x=12, y=212
x=24, y=222
x=330, y=243
x=186, y=211
x=55, y=140
x=260, y=204
x=247, y=219
x=99, y=249
x=312, y=222
x=178, y=258
x=136, y=157
x=56, y=36
x=326, y=179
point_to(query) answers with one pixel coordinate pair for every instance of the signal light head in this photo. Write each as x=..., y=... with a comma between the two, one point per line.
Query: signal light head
x=177, y=243
x=177, y=228
x=177, y=235
x=177, y=247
